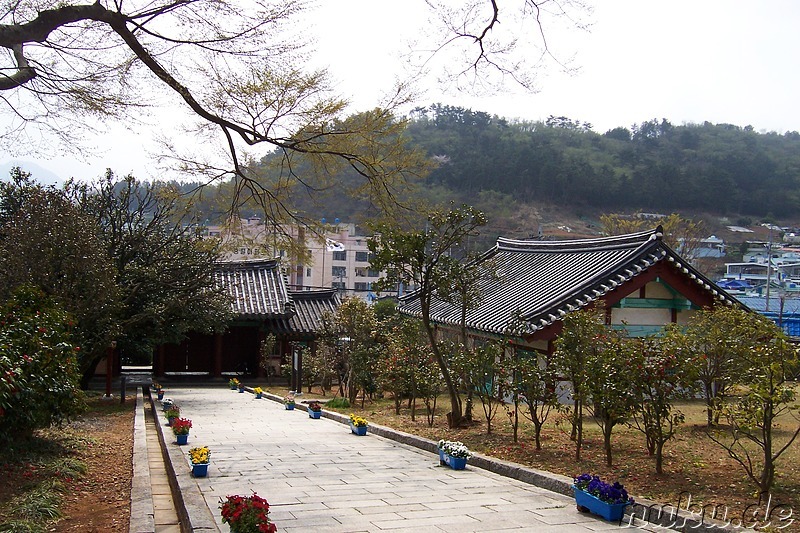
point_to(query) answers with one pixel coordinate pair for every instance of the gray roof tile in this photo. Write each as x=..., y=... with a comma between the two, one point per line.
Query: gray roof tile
x=542, y=281
x=257, y=288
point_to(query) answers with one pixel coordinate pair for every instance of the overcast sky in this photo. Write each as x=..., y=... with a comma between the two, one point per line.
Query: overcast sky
x=730, y=61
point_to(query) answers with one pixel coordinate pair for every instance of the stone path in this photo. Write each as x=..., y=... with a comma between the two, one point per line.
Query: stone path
x=319, y=477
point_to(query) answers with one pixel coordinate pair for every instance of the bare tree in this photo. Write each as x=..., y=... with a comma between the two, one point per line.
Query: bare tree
x=239, y=67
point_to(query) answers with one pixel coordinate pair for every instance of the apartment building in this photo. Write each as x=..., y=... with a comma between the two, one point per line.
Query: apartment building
x=339, y=258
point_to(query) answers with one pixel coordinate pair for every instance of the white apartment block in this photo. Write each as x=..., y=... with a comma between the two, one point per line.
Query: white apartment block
x=340, y=260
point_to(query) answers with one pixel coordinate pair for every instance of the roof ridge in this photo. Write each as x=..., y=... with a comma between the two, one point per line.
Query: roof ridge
x=597, y=243
x=237, y=264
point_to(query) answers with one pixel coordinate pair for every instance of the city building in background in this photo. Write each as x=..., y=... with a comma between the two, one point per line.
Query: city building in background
x=337, y=258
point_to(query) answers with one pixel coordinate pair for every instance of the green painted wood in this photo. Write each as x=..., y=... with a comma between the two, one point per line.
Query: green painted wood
x=640, y=331
x=653, y=303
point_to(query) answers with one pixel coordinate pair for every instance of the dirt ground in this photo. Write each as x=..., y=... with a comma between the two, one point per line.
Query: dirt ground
x=101, y=501
x=98, y=501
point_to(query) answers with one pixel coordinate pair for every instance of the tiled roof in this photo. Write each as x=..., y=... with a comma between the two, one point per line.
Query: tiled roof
x=784, y=313
x=789, y=306
x=309, y=307
x=257, y=288
x=545, y=280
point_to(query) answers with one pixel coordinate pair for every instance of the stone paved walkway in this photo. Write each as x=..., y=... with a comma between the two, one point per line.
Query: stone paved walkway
x=319, y=477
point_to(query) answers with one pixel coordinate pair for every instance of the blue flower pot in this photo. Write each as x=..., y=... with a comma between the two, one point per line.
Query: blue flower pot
x=358, y=430
x=241, y=390
x=289, y=407
x=200, y=470
x=314, y=414
x=442, y=460
x=456, y=463
x=160, y=394
x=258, y=396
x=609, y=511
x=182, y=439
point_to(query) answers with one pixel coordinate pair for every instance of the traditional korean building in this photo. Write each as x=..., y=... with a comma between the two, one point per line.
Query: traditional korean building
x=642, y=283
x=262, y=306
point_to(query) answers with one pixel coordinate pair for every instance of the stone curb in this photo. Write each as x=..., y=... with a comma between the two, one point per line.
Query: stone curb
x=142, y=512
x=193, y=512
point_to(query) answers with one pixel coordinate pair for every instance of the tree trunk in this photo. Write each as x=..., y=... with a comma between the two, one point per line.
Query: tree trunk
x=537, y=432
x=575, y=417
x=660, y=457
x=607, y=428
x=516, y=420
x=455, y=416
x=578, y=429
x=768, y=473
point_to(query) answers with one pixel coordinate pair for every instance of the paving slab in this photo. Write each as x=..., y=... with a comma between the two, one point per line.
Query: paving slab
x=320, y=477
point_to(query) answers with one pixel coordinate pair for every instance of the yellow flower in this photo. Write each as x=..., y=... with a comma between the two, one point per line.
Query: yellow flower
x=358, y=421
x=200, y=455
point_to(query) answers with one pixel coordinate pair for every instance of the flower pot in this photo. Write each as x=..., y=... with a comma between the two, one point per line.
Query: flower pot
x=182, y=439
x=314, y=414
x=170, y=419
x=258, y=396
x=358, y=430
x=289, y=406
x=200, y=470
x=456, y=463
x=593, y=504
x=442, y=460
x=160, y=395
x=241, y=390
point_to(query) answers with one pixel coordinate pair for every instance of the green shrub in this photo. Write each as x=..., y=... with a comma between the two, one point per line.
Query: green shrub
x=338, y=402
x=39, y=504
x=22, y=526
x=67, y=467
x=38, y=365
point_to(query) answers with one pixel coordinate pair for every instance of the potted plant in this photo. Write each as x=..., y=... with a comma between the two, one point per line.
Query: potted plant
x=233, y=383
x=358, y=425
x=241, y=387
x=247, y=514
x=200, y=457
x=288, y=402
x=454, y=454
x=314, y=410
x=181, y=427
x=159, y=390
x=258, y=391
x=596, y=496
x=172, y=413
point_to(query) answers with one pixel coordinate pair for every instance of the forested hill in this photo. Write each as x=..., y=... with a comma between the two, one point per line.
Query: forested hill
x=655, y=165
